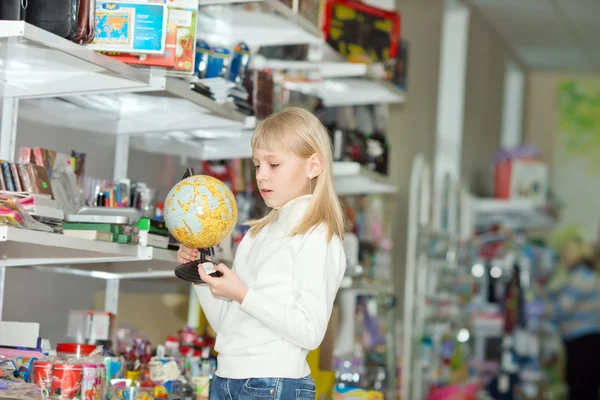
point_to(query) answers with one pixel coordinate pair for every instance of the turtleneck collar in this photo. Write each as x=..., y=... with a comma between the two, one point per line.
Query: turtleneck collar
x=293, y=210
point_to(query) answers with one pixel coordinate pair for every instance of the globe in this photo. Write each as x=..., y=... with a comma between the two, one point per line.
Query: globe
x=200, y=211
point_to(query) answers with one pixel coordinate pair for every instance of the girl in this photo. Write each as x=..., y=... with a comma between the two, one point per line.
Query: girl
x=274, y=305
x=575, y=308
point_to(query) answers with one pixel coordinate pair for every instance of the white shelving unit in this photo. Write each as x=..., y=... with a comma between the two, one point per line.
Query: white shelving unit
x=36, y=63
x=166, y=104
x=351, y=178
x=514, y=213
x=54, y=81
x=268, y=23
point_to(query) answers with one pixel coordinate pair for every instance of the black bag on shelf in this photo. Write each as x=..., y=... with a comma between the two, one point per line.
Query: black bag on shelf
x=11, y=10
x=56, y=16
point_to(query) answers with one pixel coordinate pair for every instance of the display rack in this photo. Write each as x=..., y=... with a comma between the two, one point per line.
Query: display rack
x=515, y=213
x=166, y=104
x=416, y=261
x=36, y=63
x=275, y=24
x=439, y=239
x=45, y=76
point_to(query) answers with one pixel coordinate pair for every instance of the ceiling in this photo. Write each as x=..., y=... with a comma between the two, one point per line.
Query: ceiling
x=548, y=34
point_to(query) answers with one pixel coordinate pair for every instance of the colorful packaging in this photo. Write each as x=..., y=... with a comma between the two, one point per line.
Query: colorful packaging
x=183, y=14
x=240, y=61
x=130, y=27
x=42, y=377
x=217, y=62
x=66, y=381
x=202, y=58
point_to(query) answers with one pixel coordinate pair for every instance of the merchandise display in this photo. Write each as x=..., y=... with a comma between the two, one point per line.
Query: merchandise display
x=57, y=209
x=180, y=368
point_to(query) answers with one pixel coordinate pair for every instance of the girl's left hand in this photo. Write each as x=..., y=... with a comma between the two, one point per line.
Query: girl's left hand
x=229, y=285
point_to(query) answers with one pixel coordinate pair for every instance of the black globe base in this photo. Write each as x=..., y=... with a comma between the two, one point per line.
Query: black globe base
x=189, y=271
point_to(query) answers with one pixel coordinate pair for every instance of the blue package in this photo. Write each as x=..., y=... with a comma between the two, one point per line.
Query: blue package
x=240, y=61
x=217, y=62
x=202, y=57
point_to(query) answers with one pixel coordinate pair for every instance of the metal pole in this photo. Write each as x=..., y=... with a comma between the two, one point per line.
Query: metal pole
x=193, y=318
x=9, y=107
x=111, y=299
x=512, y=113
x=121, y=157
x=451, y=94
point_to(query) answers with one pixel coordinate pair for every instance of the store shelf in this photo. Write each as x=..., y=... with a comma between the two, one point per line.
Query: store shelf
x=36, y=63
x=77, y=256
x=326, y=69
x=260, y=23
x=361, y=288
x=351, y=178
x=167, y=105
x=198, y=144
x=350, y=91
x=513, y=213
x=22, y=247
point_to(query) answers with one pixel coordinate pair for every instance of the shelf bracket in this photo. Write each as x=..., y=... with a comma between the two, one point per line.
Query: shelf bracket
x=9, y=107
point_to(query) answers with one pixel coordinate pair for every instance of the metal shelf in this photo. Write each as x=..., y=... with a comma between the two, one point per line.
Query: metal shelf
x=36, y=63
x=350, y=91
x=22, y=247
x=327, y=69
x=267, y=23
x=167, y=104
x=93, y=258
x=351, y=178
x=198, y=144
x=515, y=213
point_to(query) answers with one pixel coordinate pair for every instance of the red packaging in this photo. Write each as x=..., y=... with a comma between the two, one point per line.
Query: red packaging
x=522, y=178
x=42, y=377
x=74, y=350
x=66, y=381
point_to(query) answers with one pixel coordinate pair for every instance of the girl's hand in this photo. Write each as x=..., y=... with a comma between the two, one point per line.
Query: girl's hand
x=187, y=254
x=229, y=285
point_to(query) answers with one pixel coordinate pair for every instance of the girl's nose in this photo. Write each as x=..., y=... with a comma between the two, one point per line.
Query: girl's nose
x=261, y=175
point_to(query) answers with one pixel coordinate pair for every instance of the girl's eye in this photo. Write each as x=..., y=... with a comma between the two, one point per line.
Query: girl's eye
x=256, y=166
x=274, y=165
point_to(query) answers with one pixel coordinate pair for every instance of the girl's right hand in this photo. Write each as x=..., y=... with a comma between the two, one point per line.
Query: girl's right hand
x=187, y=254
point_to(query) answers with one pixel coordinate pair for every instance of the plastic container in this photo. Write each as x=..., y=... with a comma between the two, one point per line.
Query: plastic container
x=66, y=381
x=42, y=377
x=74, y=350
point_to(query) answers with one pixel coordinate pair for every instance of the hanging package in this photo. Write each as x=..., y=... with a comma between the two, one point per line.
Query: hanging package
x=86, y=22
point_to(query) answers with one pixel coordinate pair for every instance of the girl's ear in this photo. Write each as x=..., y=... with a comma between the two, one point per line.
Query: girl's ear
x=315, y=166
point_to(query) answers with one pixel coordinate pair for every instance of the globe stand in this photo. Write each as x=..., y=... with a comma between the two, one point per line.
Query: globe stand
x=189, y=271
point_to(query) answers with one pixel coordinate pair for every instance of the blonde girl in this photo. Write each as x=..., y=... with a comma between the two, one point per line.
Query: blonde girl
x=274, y=305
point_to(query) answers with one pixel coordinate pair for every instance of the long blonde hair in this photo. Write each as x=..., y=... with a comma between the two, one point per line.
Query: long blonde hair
x=298, y=131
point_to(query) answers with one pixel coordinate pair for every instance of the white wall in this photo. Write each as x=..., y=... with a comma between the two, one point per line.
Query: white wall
x=44, y=297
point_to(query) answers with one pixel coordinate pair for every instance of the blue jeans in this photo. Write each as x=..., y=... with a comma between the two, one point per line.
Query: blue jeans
x=262, y=388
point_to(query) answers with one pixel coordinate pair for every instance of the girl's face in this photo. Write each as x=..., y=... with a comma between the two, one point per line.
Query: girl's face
x=281, y=177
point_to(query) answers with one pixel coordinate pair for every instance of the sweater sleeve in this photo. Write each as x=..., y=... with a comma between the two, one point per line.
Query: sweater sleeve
x=318, y=271
x=579, y=289
x=211, y=305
